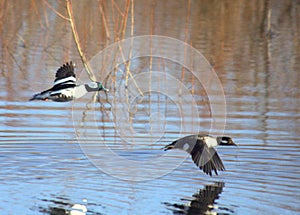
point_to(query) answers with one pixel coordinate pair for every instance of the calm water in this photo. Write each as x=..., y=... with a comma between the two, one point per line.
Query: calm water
x=106, y=154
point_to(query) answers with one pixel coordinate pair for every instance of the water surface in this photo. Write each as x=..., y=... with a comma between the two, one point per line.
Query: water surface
x=255, y=51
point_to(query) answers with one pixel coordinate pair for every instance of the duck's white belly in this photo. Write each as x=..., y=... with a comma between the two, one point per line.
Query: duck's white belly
x=68, y=92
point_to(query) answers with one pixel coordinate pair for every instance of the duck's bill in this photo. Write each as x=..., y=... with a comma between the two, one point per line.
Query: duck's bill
x=105, y=89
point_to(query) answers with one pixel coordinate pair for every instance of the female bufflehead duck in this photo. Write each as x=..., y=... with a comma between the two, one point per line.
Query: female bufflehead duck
x=201, y=148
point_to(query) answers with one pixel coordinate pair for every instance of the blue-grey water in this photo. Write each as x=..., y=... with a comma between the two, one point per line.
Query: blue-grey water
x=104, y=152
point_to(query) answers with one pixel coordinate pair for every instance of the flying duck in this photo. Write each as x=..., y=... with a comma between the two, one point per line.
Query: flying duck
x=201, y=148
x=65, y=88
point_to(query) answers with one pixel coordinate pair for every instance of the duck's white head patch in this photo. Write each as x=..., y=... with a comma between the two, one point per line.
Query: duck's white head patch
x=93, y=85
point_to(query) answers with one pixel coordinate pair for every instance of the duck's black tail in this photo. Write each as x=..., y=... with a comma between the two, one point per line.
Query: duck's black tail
x=40, y=96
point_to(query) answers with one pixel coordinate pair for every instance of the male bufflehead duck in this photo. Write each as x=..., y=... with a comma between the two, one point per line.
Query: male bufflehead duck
x=201, y=148
x=65, y=88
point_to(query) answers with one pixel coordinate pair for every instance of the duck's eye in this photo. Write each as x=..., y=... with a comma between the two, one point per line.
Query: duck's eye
x=93, y=85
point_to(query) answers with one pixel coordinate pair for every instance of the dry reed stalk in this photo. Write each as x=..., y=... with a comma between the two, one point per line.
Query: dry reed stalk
x=151, y=60
x=45, y=15
x=118, y=9
x=151, y=33
x=127, y=68
x=124, y=20
x=104, y=19
x=35, y=9
x=76, y=38
x=269, y=20
x=114, y=19
x=186, y=40
x=127, y=65
x=186, y=29
x=55, y=11
x=132, y=18
x=130, y=56
x=2, y=6
x=13, y=58
x=131, y=41
x=122, y=35
x=75, y=34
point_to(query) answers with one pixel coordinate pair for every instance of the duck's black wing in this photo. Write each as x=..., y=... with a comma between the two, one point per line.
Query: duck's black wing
x=65, y=78
x=65, y=71
x=65, y=75
x=206, y=158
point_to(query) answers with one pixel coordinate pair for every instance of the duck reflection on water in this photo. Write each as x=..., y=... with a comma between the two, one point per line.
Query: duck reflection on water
x=203, y=202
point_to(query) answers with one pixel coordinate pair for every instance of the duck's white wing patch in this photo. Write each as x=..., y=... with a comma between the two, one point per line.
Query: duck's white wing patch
x=67, y=80
x=186, y=146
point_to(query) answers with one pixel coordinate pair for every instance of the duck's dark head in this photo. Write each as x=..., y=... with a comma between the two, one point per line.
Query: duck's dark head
x=95, y=86
x=225, y=141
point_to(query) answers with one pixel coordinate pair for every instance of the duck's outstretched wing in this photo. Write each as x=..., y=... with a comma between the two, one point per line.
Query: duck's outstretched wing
x=206, y=158
x=65, y=78
x=65, y=75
